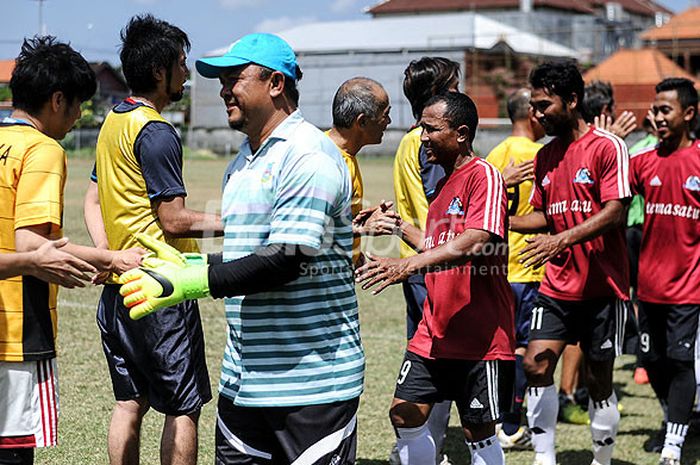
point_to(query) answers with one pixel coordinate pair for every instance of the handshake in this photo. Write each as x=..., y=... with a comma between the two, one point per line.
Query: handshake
x=166, y=277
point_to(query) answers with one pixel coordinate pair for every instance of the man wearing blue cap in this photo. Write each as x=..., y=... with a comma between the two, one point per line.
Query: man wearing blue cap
x=293, y=367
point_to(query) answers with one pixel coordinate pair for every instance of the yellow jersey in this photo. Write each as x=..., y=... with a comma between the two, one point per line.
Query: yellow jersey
x=32, y=178
x=123, y=192
x=357, y=195
x=518, y=149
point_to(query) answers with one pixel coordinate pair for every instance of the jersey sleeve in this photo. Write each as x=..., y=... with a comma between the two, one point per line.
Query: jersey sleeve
x=159, y=153
x=613, y=165
x=487, y=201
x=39, y=197
x=306, y=199
x=411, y=202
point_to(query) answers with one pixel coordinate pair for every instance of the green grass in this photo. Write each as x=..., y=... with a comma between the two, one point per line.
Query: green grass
x=86, y=397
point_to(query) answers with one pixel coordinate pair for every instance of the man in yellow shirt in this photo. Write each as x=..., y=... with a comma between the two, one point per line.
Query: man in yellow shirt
x=514, y=158
x=360, y=117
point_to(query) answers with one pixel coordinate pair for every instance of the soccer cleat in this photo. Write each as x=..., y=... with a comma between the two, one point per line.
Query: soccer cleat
x=669, y=461
x=445, y=460
x=574, y=414
x=520, y=440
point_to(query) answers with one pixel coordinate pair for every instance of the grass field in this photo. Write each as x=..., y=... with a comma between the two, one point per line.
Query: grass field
x=86, y=398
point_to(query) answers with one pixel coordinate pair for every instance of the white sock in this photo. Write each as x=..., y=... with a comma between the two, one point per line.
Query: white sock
x=437, y=423
x=416, y=445
x=542, y=410
x=486, y=452
x=675, y=437
x=604, y=421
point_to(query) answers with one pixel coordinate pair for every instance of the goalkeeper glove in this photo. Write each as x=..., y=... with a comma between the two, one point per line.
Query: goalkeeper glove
x=158, y=283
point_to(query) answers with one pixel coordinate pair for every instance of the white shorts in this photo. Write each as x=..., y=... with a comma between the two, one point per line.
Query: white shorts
x=29, y=402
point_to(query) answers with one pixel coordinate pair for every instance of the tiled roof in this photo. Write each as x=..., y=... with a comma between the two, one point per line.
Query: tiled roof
x=643, y=7
x=645, y=66
x=684, y=25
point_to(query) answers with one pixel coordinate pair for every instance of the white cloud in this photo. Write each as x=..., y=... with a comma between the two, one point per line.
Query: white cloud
x=342, y=6
x=236, y=4
x=282, y=23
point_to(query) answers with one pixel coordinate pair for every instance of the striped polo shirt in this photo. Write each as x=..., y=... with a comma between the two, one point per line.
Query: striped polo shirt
x=299, y=344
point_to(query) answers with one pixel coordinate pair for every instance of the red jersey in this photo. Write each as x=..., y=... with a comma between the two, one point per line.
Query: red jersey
x=572, y=183
x=669, y=261
x=468, y=313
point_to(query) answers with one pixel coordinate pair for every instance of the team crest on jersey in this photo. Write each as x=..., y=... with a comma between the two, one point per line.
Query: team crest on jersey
x=456, y=207
x=692, y=183
x=583, y=176
x=545, y=181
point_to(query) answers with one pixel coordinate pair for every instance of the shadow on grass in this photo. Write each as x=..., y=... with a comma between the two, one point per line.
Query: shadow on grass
x=371, y=462
x=583, y=457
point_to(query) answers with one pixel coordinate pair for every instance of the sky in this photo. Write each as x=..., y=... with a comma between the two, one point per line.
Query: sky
x=92, y=26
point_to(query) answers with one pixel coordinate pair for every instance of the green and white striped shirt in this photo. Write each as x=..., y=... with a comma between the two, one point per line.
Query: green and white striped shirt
x=299, y=344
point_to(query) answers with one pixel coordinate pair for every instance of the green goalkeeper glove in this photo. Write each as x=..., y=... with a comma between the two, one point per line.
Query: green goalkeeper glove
x=164, y=279
x=158, y=283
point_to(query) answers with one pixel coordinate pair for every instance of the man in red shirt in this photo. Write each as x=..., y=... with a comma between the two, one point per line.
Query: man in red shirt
x=464, y=347
x=668, y=176
x=581, y=189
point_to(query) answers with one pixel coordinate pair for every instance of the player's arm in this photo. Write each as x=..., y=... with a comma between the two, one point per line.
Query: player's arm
x=48, y=263
x=415, y=237
x=387, y=271
x=179, y=221
x=33, y=237
x=92, y=214
x=534, y=222
x=543, y=248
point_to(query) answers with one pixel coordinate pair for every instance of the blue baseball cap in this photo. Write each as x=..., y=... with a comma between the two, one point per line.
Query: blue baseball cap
x=262, y=49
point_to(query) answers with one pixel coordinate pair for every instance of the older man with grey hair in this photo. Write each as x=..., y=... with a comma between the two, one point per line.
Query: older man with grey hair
x=360, y=117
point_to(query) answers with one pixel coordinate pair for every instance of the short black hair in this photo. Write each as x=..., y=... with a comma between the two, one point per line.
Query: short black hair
x=427, y=77
x=45, y=66
x=149, y=44
x=290, y=85
x=685, y=89
x=561, y=78
x=597, y=96
x=459, y=110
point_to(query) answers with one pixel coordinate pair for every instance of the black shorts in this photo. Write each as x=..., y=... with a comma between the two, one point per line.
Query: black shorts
x=525, y=295
x=598, y=324
x=668, y=331
x=313, y=434
x=160, y=357
x=481, y=389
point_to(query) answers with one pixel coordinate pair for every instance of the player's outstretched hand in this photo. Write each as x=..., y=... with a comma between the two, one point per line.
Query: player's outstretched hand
x=541, y=249
x=384, y=271
x=159, y=283
x=50, y=263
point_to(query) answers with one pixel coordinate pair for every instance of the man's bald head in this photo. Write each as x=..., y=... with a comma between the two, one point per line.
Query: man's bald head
x=519, y=105
x=356, y=96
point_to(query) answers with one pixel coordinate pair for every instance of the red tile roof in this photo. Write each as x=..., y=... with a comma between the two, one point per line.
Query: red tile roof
x=643, y=7
x=684, y=25
x=646, y=66
x=6, y=67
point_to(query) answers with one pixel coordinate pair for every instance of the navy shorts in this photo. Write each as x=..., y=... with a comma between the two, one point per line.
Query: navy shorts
x=525, y=295
x=415, y=293
x=159, y=357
